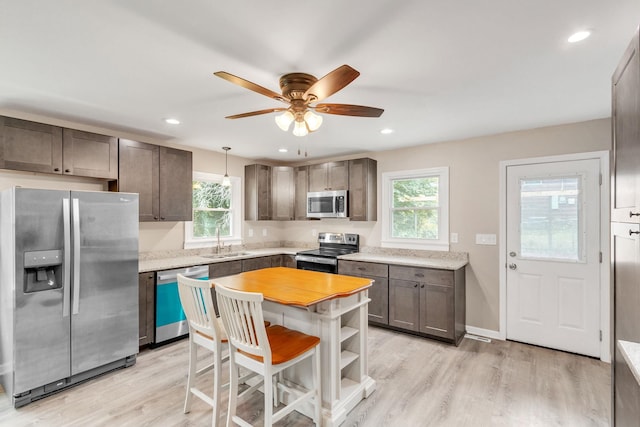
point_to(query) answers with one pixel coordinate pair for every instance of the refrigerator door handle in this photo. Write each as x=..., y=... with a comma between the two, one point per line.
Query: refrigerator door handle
x=76, y=256
x=66, y=273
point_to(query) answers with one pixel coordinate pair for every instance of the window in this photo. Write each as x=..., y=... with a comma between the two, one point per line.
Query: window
x=415, y=209
x=216, y=210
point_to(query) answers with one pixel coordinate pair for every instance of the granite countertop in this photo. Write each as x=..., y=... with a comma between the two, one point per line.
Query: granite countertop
x=168, y=260
x=631, y=353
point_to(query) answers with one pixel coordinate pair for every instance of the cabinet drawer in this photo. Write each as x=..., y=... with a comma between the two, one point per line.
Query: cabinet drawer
x=423, y=275
x=226, y=268
x=366, y=269
x=256, y=263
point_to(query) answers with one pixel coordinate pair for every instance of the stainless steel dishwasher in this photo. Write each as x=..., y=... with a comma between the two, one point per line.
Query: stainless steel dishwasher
x=171, y=322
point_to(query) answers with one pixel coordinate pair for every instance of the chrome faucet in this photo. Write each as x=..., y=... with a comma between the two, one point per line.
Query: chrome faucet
x=218, y=237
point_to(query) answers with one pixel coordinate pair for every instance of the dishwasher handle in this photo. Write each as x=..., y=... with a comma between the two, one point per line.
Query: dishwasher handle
x=171, y=275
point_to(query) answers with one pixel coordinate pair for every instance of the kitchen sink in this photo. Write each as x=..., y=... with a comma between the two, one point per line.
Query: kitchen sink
x=228, y=255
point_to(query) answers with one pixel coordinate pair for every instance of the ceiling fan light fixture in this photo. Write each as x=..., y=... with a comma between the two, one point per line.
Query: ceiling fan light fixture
x=313, y=120
x=300, y=128
x=284, y=120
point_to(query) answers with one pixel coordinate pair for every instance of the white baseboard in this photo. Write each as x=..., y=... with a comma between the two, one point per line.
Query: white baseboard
x=494, y=335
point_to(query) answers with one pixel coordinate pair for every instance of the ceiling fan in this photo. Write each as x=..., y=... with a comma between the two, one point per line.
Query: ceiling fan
x=302, y=92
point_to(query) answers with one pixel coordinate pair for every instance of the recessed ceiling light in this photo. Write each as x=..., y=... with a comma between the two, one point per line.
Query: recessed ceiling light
x=282, y=150
x=386, y=131
x=579, y=36
x=172, y=121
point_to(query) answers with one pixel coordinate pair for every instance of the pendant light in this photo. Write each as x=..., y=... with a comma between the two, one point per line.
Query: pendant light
x=226, y=182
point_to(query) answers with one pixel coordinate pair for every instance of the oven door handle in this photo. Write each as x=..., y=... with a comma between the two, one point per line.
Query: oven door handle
x=317, y=260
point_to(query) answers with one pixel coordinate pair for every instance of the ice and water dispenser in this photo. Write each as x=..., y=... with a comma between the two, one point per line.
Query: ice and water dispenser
x=42, y=270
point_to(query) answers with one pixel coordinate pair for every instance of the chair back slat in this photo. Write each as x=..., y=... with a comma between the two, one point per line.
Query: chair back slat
x=197, y=304
x=243, y=320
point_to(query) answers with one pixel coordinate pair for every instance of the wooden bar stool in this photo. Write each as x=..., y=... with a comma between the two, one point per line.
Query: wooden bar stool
x=266, y=351
x=206, y=331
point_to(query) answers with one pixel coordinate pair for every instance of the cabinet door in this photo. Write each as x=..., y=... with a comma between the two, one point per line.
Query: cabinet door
x=626, y=271
x=257, y=192
x=222, y=269
x=436, y=310
x=146, y=307
x=139, y=173
x=362, y=190
x=301, y=187
x=89, y=154
x=379, y=296
x=317, y=177
x=338, y=175
x=404, y=304
x=256, y=263
x=283, y=192
x=176, y=180
x=30, y=146
x=626, y=136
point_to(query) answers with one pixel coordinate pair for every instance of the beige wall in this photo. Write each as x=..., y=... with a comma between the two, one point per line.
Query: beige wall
x=474, y=195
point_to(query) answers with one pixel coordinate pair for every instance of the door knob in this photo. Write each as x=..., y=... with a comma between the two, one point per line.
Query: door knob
x=513, y=266
x=512, y=254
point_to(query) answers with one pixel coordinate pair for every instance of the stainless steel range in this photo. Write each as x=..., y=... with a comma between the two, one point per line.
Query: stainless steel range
x=325, y=258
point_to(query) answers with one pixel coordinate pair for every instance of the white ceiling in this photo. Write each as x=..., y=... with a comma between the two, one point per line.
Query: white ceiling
x=442, y=70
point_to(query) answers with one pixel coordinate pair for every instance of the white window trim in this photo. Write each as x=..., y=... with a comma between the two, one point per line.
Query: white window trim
x=442, y=244
x=191, y=242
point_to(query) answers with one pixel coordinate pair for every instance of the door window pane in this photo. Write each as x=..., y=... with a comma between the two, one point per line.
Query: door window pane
x=550, y=218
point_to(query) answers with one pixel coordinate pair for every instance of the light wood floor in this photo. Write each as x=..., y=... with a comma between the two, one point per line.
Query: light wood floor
x=420, y=382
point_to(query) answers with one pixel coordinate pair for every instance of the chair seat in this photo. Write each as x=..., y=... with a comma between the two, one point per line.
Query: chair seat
x=286, y=344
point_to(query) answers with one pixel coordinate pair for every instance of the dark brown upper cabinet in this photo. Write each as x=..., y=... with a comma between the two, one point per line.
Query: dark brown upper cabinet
x=163, y=178
x=329, y=176
x=38, y=147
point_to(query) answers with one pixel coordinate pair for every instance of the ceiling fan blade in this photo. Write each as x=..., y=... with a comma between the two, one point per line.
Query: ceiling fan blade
x=331, y=83
x=256, y=113
x=250, y=85
x=349, y=110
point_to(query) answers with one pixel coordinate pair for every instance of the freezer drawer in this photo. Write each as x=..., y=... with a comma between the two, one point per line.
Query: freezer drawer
x=171, y=322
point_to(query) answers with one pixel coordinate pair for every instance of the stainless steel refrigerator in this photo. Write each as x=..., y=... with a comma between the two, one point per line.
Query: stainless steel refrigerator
x=68, y=289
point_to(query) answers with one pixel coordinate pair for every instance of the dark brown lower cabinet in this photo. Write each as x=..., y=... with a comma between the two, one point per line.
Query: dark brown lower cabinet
x=146, y=307
x=427, y=301
x=288, y=261
x=379, y=290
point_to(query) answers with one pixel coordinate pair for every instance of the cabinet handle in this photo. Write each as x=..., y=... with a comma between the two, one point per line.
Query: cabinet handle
x=56, y=169
x=631, y=232
x=422, y=286
x=155, y=217
x=67, y=171
x=361, y=268
x=632, y=214
x=161, y=218
x=419, y=274
x=415, y=286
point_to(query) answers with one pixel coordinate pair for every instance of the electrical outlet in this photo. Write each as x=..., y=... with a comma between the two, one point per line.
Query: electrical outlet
x=454, y=238
x=251, y=232
x=264, y=232
x=314, y=232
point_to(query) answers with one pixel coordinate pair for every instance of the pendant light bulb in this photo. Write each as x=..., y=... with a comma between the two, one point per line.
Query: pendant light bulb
x=313, y=120
x=226, y=182
x=284, y=120
x=300, y=128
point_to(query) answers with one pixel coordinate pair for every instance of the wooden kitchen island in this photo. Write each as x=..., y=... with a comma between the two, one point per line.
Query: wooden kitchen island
x=330, y=306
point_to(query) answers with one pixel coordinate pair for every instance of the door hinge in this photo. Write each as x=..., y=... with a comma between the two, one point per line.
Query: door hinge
x=600, y=257
x=600, y=179
x=600, y=335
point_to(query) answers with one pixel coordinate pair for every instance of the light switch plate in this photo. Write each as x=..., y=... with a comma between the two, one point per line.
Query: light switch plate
x=264, y=232
x=251, y=232
x=454, y=238
x=486, y=239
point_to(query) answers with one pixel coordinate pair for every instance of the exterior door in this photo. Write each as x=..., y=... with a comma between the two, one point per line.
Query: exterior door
x=553, y=255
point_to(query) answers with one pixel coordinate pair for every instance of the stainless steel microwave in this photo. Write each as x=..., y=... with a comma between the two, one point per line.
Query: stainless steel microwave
x=327, y=204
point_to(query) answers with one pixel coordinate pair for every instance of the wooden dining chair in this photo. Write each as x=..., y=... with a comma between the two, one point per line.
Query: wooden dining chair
x=266, y=351
x=207, y=331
